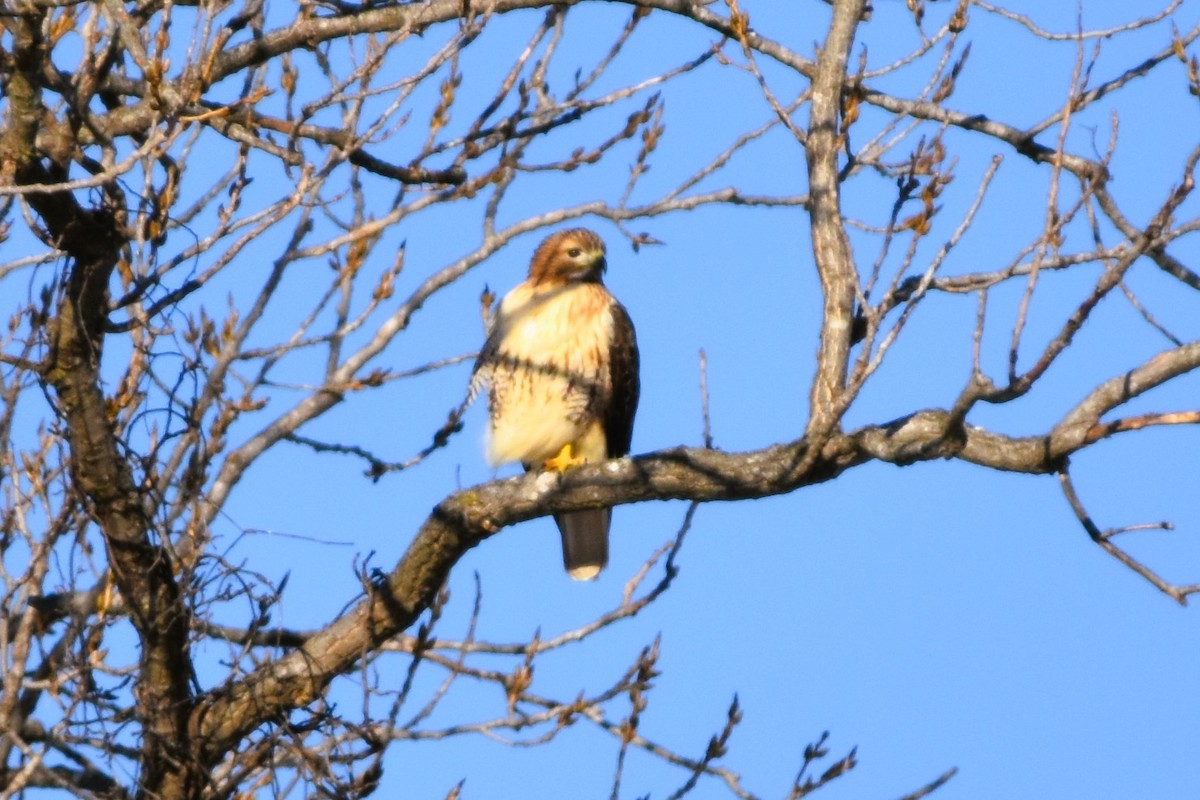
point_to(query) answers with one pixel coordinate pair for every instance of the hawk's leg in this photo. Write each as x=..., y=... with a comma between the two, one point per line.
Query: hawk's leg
x=565, y=460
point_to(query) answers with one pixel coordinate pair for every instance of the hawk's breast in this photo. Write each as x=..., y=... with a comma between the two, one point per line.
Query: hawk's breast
x=549, y=377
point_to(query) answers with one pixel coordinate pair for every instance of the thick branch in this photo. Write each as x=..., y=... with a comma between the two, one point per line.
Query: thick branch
x=92, y=238
x=140, y=567
x=466, y=518
x=831, y=246
x=1074, y=431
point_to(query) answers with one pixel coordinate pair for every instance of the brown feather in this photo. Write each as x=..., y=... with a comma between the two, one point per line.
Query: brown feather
x=625, y=383
x=584, y=542
x=553, y=263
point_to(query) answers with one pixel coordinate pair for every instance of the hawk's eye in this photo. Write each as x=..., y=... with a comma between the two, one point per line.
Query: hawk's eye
x=574, y=252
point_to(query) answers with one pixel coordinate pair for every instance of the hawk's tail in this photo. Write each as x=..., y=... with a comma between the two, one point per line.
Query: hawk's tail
x=585, y=542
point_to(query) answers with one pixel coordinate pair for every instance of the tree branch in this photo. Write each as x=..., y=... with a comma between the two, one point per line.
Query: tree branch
x=464, y=519
x=93, y=238
x=831, y=247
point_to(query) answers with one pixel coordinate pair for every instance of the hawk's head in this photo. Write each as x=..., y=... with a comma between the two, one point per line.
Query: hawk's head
x=568, y=256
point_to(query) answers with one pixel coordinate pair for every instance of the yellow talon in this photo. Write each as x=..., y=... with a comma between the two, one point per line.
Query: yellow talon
x=565, y=460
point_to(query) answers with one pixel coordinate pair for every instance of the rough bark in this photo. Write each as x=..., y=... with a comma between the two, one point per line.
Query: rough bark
x=831, y=247
x=92, y=240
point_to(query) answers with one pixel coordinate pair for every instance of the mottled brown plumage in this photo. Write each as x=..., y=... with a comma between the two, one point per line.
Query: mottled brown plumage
x=561, y=367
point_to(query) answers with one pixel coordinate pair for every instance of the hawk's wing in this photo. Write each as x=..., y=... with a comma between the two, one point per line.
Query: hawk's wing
x=625, y=385
x=485, y=362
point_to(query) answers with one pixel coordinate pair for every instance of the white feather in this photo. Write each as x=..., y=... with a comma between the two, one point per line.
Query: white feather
x=550, y=380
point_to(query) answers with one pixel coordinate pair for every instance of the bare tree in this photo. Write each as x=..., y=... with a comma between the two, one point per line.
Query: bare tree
x=149, y=151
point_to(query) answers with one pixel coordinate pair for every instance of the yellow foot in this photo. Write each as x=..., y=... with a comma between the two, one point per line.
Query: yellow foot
x=565, y=460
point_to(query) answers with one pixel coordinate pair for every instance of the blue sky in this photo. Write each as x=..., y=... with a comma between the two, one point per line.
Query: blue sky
x=933, y=616
x=936, y=615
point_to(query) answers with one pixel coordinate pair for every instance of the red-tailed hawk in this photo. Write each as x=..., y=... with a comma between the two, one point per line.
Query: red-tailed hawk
x=561, y=366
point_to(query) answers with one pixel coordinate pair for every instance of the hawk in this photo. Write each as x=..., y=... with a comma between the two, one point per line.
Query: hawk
x=561, y=367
